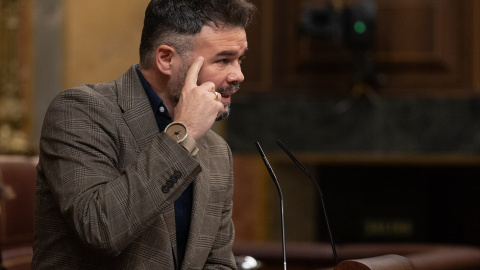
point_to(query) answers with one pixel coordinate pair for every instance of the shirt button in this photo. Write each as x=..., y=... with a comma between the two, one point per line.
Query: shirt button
x=161, y=109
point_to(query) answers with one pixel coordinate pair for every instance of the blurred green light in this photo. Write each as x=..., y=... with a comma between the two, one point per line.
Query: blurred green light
x=360, y=27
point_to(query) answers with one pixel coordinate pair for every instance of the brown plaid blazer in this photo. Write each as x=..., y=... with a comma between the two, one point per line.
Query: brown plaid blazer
x=103, y=198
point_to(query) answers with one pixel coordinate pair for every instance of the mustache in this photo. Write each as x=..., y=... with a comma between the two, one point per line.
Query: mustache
x=228, y=89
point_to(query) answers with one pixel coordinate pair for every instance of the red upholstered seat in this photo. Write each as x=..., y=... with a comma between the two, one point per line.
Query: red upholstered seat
x=16, y=219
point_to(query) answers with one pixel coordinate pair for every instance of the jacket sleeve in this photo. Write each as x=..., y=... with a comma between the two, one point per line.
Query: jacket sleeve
x=82, y=149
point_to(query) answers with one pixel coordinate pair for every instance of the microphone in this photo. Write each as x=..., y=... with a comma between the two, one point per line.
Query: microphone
x=319, y=191
x=274, y=178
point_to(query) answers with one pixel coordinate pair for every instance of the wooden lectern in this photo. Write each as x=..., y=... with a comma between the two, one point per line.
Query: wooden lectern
x=386, y=262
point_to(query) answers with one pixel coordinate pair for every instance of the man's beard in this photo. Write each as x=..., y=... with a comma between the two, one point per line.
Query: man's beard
x=176, y=87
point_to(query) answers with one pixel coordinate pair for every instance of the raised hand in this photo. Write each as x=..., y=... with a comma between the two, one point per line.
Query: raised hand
x=199, y=105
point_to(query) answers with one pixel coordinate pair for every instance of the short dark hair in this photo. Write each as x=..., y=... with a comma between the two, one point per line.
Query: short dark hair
x=172, y=22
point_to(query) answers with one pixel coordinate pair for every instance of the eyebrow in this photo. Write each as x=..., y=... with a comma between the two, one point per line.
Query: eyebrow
x=231, y=53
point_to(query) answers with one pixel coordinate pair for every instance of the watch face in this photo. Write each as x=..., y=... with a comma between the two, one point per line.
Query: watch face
x=177, y=131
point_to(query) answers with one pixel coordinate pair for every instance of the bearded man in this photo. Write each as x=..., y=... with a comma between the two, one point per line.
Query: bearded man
x=130, y=176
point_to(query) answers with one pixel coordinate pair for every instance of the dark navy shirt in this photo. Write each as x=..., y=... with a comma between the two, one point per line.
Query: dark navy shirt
x=183, y=205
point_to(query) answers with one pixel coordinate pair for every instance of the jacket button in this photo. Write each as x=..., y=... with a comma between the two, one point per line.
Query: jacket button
x=175, y=180
x=177, y=174
x=165, y=189
x=170, y=184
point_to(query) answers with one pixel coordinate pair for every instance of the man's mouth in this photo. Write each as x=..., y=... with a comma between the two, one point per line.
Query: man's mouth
x=227, y=94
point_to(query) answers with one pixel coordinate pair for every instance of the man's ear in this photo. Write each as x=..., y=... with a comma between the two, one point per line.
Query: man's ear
x=163, y=59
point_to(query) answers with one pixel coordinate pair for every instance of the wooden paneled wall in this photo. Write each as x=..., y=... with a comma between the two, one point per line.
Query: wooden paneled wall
x=422, y=48
x=101, y=39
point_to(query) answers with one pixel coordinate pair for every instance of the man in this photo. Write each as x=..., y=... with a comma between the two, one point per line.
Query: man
x=130, y=175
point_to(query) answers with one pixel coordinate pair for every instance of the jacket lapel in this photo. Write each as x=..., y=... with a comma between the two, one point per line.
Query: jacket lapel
x=136, y=108
x=169, y=216
x=201, y=190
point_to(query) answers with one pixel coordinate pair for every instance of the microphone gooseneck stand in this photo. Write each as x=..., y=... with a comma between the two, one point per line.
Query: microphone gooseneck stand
x=274, y=178
x=319, y=191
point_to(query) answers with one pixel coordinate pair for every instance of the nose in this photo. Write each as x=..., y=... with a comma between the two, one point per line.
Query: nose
x=236, y=76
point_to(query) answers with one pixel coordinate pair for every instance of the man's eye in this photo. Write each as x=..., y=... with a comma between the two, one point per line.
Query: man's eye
x=228, y=61
x=240, y=60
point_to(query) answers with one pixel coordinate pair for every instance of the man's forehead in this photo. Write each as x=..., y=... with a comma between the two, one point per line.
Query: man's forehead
x=223, y=38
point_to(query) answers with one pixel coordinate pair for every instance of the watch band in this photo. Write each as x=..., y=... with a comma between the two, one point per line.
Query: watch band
x=190, y=145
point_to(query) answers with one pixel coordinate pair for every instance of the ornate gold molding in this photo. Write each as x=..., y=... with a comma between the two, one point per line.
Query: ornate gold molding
x=14, y=119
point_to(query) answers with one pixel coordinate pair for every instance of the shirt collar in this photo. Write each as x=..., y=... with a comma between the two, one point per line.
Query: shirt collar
x=159, y=109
